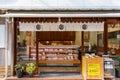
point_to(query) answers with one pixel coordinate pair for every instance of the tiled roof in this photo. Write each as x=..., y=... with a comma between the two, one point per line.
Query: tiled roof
x=60, y=4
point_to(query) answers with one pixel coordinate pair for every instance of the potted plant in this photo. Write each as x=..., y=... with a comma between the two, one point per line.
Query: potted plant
x=117, y=66
x=19, y=68
x=30, y=68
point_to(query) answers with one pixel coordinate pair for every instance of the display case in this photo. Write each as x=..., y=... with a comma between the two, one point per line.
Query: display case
x=62, y=58
x=109, y=68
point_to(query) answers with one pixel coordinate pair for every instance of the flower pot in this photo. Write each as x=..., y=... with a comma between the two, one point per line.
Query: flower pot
x=19, y=73
x=30, y=74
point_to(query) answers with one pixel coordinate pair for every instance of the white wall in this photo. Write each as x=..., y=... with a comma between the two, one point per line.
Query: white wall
x=22, y=36
x=93, y=38
x=2, y=57
x=78, y=38
x=2, y=49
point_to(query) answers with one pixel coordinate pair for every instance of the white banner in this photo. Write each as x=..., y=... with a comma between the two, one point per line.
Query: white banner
x=90, y=26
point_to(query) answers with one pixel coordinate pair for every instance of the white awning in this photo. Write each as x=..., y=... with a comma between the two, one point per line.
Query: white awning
x=61, y=15
x=60, y=4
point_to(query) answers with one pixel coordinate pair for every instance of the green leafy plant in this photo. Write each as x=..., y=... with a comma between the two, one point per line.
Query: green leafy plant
x=30, y=68
x=117, y=58
x=19, y=67
x=117, y=66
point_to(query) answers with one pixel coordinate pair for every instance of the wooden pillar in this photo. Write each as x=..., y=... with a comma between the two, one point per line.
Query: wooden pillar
x=37, y=46
x=97, y=43
x=15, y=43
x=82, y=37
x=105, y=38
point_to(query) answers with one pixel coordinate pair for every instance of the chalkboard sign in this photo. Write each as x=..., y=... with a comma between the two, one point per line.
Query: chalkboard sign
x=2, y=35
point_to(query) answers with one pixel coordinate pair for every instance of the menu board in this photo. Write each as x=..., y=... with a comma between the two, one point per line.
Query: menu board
x=2, y=35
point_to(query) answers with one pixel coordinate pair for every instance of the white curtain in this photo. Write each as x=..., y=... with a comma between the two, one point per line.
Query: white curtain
x=74, y=26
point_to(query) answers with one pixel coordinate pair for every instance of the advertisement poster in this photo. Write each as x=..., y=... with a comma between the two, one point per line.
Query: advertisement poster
x=94, y=69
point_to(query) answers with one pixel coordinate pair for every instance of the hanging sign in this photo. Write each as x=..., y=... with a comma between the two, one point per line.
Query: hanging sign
x=59, y=26
x=94, y=69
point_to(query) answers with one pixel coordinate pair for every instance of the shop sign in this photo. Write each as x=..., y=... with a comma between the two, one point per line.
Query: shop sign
x=93, y=69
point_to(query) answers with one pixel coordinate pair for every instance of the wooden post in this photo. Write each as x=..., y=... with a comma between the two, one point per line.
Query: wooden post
x=37, y=46
x=82, y=37
x=105, y=38
x=15, y=43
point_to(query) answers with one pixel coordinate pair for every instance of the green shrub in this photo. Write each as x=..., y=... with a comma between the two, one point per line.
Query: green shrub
x=30, y=68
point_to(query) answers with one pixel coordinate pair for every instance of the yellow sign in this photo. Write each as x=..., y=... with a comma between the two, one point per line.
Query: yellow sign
x=94, y=69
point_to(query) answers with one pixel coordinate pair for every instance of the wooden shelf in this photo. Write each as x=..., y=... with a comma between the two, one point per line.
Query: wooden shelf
x=53, y=52
x=59, y=61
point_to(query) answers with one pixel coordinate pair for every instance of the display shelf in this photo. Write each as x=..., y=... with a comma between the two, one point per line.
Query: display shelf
x=63, y=58
x=109, y=68
x=48, y=52
x=54, y=56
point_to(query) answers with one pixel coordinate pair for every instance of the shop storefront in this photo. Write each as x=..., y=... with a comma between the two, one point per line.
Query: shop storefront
x=63, y=44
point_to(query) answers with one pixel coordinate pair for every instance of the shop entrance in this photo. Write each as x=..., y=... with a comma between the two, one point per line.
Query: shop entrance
x=56, y=51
